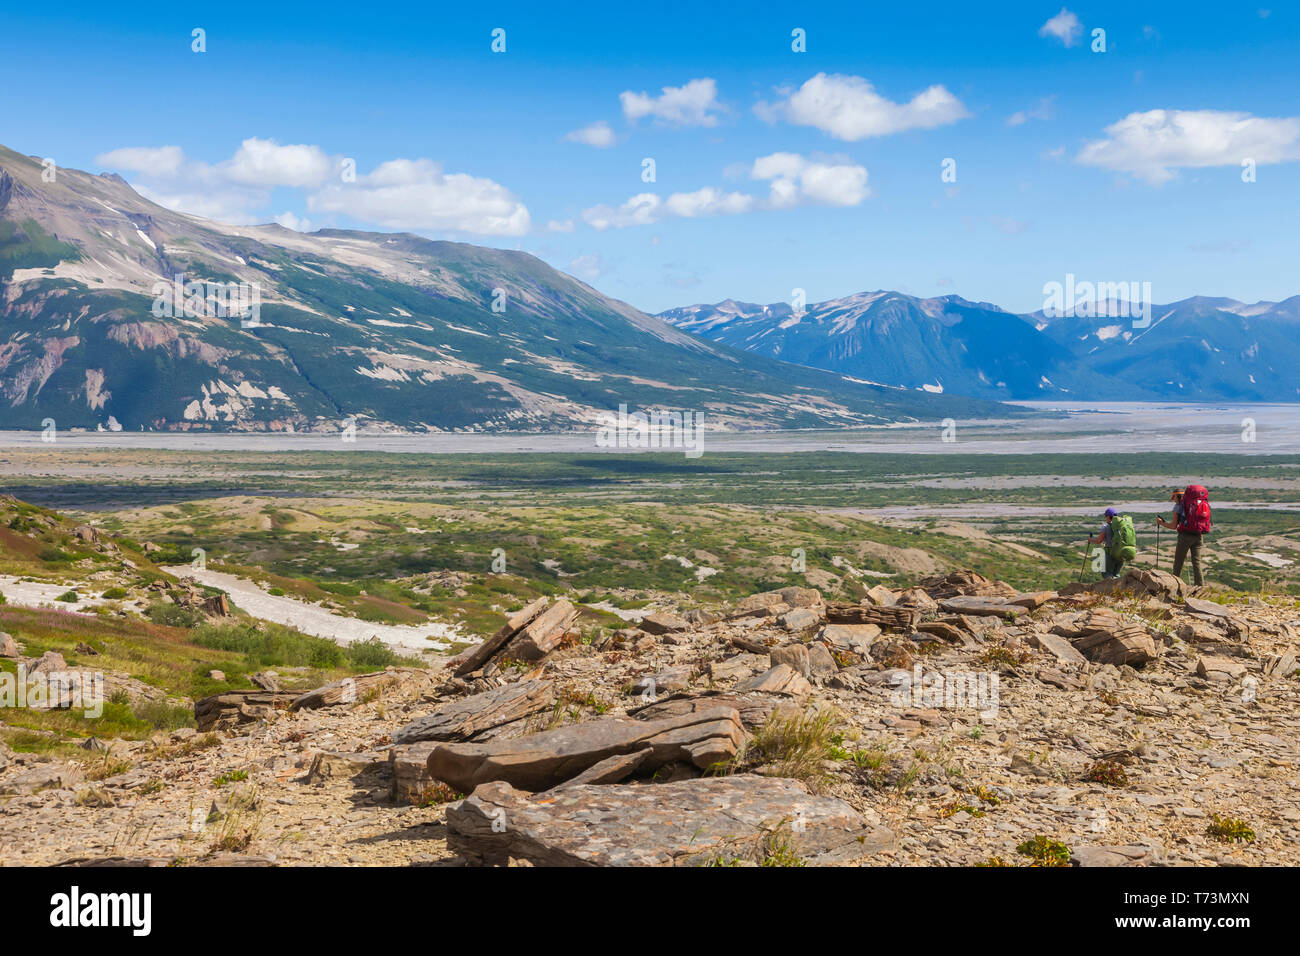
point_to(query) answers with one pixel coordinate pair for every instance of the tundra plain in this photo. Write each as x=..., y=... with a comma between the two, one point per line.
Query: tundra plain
x=194, y=576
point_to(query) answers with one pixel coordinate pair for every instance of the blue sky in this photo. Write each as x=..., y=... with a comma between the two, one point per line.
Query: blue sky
x=774, y=169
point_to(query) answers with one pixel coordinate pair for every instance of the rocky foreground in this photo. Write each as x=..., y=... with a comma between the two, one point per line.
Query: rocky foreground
x=955, y=723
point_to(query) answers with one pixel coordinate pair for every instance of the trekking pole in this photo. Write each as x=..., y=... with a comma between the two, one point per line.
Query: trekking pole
x=1087, y=554
x=1157, y=546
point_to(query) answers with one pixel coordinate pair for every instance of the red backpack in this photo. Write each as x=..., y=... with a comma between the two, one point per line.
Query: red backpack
x=1196, y=509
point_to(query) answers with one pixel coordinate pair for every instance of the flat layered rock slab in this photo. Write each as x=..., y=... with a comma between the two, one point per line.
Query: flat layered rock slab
x=543, y=760
x=1220, y=668
x=474, y=658
x=1058, y=647
x=1105, y=637
x=663, y=623
x=1155, y=583
x=472, y=717
x=688, y=823
x=541, y=635
x=851, y=638
x=1207, y=608
x=1112, y=856
x=1032, y=600
x=781, y=601
x=332, y=765
x=610, y=770
x=982, y=606
x=1129, y=645
x=801, y=619
x=894, y=617
x=754, y=709
x=350, y=690
x=966, y=583
x=235, y=707
x=409, y=765
x=781, y=679
x=46, y=776
x=946, y=631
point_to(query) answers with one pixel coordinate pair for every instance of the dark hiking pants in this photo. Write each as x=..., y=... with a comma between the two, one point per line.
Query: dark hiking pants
x=1188, y=542
x=1113, y=567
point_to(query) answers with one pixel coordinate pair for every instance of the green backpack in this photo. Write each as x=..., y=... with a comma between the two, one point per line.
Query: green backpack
x=1123, y=539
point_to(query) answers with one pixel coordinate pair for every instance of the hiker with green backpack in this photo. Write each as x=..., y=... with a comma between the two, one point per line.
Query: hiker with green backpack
x=1120, y=541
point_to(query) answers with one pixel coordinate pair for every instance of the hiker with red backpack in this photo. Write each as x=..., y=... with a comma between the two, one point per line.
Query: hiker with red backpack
x=1191, y=519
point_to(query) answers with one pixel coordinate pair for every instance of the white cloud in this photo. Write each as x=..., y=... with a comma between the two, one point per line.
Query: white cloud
x=1065, y=26
x=793, y=180
x=849, y=108
x=597, y=134
x=1151, y=145
x=693, y=104
x=417, y=194
x=400, y=194
x=291, y=221
x=560, y=225
x=160, y=161
x=642, y=209
x=257, y=164
x=264, y=162
x=1044, y=109
x=223, y=205
x=236, y=190
x=708, y=202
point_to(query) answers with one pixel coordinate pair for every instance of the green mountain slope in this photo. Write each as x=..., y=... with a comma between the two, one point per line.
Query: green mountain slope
x=394, y=331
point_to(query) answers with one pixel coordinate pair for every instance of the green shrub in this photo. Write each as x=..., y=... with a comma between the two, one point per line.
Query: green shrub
x=272, y=645
x=165, y=716
x=347, y=590
x=1229, y=830
x=372, y=654
x=173, y=615
x=68, y=597
x=1043, y=851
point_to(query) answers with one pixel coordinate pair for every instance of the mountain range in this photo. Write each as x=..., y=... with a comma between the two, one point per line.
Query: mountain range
x=114, y=314
x=1198, y=349
x=117, y=313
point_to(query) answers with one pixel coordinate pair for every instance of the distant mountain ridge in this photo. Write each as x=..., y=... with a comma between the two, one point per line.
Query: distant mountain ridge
x=1199, y=349
x=392, y=331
